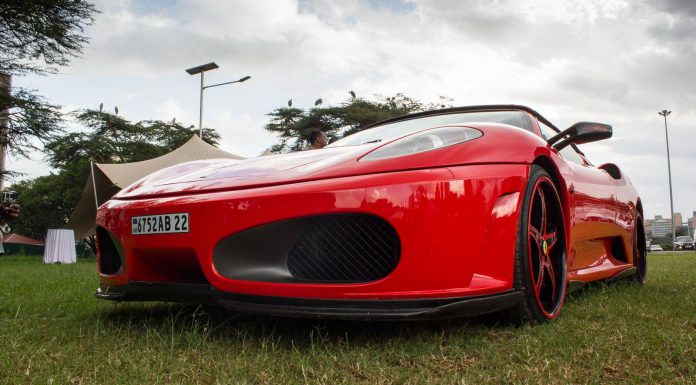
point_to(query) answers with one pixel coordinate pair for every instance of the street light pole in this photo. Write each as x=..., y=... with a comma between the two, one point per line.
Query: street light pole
x=664, y=114
x=201, y=69
x=200, y=109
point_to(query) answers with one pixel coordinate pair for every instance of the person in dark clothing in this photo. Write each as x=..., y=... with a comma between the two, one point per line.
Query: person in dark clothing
x=317, y=140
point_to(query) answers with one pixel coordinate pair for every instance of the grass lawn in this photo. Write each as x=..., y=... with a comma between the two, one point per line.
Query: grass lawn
x=53, y=331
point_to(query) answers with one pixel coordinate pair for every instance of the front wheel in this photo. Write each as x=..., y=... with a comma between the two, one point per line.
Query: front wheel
x=640, y=260
x=540, y=258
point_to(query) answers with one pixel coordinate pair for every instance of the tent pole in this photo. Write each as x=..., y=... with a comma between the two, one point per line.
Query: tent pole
x=94, y=184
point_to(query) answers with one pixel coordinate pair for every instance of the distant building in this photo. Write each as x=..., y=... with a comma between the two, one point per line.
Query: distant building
x=692, y=224
x=677, y=220
x=661, y=227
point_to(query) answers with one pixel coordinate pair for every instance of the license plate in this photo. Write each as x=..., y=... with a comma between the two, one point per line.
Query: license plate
x=160, y=224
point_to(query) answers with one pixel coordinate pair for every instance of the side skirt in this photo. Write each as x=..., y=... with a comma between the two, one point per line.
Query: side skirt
x=575, y=285
x=630, y=272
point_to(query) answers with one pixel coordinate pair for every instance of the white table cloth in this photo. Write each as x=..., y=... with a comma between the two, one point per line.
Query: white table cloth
x=60, y=246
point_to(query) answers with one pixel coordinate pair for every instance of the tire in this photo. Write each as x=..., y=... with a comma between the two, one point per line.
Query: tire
x=640, y=260
x=540, y=271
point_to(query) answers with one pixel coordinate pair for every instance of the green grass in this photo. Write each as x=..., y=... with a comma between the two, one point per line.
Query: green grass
x=53, y=331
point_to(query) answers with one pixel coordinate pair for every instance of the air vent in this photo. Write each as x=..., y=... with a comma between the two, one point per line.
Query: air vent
x=110, y=260
x=348, y=248
x=341, y=248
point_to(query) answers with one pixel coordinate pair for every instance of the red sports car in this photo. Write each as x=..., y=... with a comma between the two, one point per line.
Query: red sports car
x=445, y=213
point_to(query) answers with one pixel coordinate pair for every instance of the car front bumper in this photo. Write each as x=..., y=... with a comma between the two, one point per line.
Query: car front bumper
x=457, y=227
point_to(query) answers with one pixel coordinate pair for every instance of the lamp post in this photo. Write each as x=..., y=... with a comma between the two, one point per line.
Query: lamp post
x=664, y=114
x=201, y=70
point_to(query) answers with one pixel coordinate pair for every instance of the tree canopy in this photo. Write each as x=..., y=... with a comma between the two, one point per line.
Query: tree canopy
x=111, y=138
x=48, y=201
x=27, y=118
x=39, y=36
x=293, y=125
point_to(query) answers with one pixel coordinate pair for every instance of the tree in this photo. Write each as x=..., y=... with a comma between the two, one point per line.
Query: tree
x=293, y=125
x=47, y=202
x=25, y=118
x=37, y=37
x=110, y=138
x=681, y=231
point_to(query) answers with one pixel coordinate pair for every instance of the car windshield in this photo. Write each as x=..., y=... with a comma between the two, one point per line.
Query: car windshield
x=684, y=239
x=406, y=127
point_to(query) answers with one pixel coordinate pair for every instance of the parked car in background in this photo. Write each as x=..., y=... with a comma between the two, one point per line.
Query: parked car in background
x=684, y=243
x=655, y=248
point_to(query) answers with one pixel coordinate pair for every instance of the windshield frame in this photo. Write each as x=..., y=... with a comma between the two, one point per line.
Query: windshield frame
x=479, y=108
x=525, y=112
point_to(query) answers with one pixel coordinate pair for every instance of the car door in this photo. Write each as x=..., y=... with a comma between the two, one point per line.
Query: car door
x=592, y=209
x=594, y=222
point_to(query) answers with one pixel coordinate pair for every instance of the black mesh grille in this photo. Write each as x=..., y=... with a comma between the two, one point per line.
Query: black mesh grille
x=346, y=248
x=109, y=258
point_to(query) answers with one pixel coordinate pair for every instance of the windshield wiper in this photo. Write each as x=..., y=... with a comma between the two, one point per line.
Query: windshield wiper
x=373, y=141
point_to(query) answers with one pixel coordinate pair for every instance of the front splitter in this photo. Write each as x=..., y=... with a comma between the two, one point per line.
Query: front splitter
x=419, y=309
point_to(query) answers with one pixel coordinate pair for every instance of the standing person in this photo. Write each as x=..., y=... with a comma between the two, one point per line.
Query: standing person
x=8, y=211
x=317, y=140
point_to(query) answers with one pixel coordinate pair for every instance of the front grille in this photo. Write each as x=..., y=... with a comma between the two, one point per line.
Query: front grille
x=344, y=248
x=109, y=256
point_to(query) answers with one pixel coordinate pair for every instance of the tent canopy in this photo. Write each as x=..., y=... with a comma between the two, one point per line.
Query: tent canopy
x=108, y=179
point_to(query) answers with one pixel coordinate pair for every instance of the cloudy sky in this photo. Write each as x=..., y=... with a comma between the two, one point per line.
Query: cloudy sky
x=617, y=62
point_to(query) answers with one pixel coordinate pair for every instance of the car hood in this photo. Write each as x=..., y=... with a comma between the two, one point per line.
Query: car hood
x=331, y=162
x=231, y=174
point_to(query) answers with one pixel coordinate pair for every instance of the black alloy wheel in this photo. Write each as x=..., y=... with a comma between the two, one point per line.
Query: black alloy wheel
x=640, y=260
x=540, y=259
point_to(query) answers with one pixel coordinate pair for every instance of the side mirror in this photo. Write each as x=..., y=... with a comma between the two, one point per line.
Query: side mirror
x=579, y=133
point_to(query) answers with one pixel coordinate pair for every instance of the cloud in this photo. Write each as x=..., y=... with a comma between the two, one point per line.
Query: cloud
x=677, y=6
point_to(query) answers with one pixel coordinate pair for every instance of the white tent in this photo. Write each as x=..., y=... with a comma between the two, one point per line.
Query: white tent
x=105, y=180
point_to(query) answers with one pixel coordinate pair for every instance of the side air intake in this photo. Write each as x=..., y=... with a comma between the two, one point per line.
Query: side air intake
x=110, y=260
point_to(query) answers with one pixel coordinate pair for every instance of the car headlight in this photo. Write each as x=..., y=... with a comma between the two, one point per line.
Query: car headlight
x=424, y=141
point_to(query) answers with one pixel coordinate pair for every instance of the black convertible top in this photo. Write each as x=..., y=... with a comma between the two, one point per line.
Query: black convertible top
x=453, y=110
